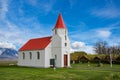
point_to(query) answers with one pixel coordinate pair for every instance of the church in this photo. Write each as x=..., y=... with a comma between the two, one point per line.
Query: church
x=50, y=51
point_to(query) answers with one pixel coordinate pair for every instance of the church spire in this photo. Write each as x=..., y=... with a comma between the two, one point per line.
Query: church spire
x=60, y=22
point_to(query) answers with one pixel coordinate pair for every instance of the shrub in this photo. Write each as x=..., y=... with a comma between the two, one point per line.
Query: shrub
x=100, y=65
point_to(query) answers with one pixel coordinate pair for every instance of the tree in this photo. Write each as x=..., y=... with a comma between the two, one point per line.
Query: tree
x=115, y=49
x=100, y=47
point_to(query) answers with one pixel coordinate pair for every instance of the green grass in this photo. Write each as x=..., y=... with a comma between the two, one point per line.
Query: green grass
x=77, y=72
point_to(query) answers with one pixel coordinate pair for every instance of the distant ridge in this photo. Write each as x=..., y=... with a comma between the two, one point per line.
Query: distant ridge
x=8, y=54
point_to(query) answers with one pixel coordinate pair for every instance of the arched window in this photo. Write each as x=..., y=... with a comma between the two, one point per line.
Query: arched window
x=23, y=55
x=30, y=55
x=38, y=55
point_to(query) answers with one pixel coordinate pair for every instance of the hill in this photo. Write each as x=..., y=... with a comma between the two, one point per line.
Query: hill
x=8, y=54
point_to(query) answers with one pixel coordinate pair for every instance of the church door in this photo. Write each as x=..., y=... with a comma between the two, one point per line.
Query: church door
x=65, y=60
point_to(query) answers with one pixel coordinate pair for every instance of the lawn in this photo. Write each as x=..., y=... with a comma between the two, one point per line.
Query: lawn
x=76, y=72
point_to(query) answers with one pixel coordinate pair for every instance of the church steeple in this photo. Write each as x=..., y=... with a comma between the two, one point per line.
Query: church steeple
x=60, y=22
x=60, y=44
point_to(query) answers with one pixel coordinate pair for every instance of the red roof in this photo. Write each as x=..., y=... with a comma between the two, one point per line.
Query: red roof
x=60, y=22
x=36, y=44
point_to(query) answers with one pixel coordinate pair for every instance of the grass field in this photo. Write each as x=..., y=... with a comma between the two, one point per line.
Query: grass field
x=77, y=72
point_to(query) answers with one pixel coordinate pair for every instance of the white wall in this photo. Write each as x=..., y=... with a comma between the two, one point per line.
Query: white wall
x=44, y=61
x=59, y=48
x=34, y=62
x=56, y=50
x=48, y=55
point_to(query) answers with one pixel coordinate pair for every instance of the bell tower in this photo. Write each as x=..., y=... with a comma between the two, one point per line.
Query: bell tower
x=60, y=44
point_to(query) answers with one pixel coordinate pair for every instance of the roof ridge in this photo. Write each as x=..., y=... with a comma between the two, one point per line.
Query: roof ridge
x=41, y=37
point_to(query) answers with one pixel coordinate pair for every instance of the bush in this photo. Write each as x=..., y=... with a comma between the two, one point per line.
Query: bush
x=100, y=65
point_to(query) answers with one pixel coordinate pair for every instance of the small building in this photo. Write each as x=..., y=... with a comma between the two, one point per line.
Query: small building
x=96, y=58
x=83, y=58
x=47, y=51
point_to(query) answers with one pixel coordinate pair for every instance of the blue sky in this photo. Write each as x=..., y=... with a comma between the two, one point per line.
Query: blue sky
x=87, y=21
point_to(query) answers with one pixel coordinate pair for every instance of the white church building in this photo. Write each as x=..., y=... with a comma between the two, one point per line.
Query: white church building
x=47, y=51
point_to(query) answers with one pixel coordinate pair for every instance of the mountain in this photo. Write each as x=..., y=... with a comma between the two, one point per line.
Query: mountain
x=8, y=54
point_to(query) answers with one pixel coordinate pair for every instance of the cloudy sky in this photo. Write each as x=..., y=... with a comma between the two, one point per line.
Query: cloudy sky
x=87, y=21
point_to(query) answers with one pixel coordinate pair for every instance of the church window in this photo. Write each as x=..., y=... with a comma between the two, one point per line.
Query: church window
x=65, y=44
x=65, y=31
x=23, y=55
x=65, y=37
x=38, y=55
x=55, y=31
x=30, y=55
x=55, y=57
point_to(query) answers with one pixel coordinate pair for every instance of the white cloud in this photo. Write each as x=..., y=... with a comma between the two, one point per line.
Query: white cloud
x=7, y=45
x=14, y=33
x=71, y=50
x=11, y=33
x=104, y=33
x=18, y=35
x=95, y=34
x=89, y=49
x=107, y=12
x=3, y=8
x=80, y=46
x=44, y=6
x=4, y=33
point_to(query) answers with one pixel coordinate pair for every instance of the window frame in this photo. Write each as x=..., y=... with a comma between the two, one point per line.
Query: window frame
x=30, y=53
x=23, y=55
x=65, y=37
x=38, y=55
x=65, y=44
x=55, y=31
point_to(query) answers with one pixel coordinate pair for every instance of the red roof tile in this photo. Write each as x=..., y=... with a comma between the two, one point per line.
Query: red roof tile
x=60, y=22
x=36, y=44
